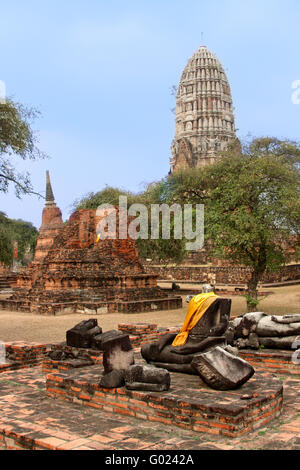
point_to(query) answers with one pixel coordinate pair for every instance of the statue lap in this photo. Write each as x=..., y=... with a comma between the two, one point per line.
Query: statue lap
x=206, y=335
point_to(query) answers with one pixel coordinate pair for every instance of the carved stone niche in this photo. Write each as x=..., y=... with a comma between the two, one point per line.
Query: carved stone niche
x=206, y=335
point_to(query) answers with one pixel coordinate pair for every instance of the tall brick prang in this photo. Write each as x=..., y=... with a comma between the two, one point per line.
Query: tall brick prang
x=204, y=113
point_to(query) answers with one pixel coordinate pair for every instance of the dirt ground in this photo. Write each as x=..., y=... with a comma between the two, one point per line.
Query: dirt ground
x=17, y=326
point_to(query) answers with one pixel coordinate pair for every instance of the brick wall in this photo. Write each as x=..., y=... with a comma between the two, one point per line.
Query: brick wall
x=222, y=274
x=20, y=355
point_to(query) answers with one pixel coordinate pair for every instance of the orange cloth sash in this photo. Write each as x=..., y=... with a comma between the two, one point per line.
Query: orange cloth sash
x=196, y=309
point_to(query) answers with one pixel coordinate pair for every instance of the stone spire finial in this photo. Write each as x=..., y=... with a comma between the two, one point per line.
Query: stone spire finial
x=49, y=192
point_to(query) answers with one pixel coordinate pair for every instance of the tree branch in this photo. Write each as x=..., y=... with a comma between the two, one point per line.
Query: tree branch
x=23, y=188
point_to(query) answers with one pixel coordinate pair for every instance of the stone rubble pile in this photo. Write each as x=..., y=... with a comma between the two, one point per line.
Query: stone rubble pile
x=258, y=330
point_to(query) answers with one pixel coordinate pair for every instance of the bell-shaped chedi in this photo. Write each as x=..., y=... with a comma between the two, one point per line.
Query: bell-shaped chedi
x=51, y=224
x=81, y=273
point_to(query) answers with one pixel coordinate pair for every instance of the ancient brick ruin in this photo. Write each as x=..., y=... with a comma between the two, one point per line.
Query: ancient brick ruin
x=73, y=272
x=204, y=113
x=51, y=224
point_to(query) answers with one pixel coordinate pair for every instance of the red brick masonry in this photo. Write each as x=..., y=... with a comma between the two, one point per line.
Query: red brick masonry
x=189, y=404
x=20, y=355
x=280, y=362
x=31, y=420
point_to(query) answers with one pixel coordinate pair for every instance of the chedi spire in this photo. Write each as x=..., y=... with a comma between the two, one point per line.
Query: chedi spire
x=49, y=193
x=52, y=224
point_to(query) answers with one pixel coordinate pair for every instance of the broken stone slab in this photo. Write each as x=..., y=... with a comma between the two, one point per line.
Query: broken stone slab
x=80, y=336
x=221, y=370
x=117, y=352
x=269, y=328
x=288, y=342
x=147, y=378
x=97, y=340
x=286, y=319
x=114, y=379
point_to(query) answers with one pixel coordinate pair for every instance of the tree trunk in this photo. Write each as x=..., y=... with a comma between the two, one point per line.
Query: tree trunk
x=252, y=301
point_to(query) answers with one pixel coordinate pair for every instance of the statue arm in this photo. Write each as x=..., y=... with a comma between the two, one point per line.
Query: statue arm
x=219, y=329
x=186, y=349
x=197, y=347
x=165, y=341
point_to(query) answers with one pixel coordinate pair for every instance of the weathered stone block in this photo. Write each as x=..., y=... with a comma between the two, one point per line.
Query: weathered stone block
x=147, y=378
x=97, y=340
x=80, y=336
x=113, y=379
x=221, y=370
x=118, y=353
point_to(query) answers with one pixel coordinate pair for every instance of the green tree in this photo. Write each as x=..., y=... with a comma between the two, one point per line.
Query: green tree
x=6, y=248
x=16, y=230
x=17, y=140
x=252, y=204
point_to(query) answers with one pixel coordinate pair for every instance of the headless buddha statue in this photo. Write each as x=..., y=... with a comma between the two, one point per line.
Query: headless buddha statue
x=205, y=323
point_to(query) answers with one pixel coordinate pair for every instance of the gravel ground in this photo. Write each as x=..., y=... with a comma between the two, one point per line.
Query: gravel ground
x=17, y=326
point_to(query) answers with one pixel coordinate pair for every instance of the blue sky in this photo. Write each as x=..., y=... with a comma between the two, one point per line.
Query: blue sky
x=101, y=71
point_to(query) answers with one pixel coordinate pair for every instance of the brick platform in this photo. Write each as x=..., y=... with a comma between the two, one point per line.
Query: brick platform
x=31, y=420
x=189, y=404
x=270, y=360
x=20, y=355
